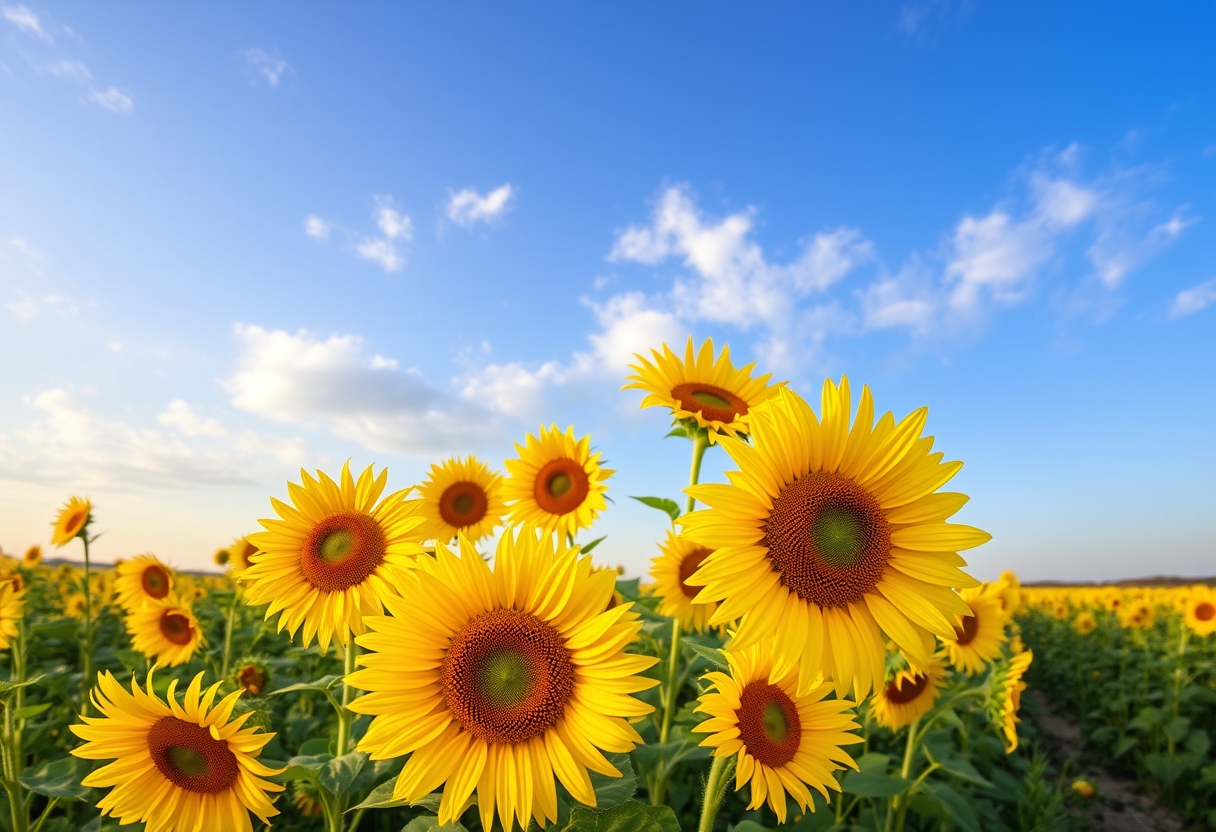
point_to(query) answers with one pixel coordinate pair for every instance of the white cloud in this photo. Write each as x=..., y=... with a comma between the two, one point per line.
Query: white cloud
x=74, y=71
x=395, y=228
x=26, y=21
x=381, y=252
x=113, y=99
x=301, y=378
x=467, y=207
x=179, y=414
x=28, y=307
x=316, y=228
x=1195, y=299
x=268, y=66
x=629, y=324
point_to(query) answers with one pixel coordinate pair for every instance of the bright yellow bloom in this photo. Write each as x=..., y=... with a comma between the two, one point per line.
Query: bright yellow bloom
x=908, y=695
x=1009, y=687
x=72, y=520
x=12, y=608
x=978, y=637
x=334, y=555
x=783, y=741
x=32, y=557
x=462, y=496
x=671, y=570
x=556, y=483
x=178, y=767
x=713, y=394
x=1137, y=615
x=165, y=631
x=240, y=555
x=498, y=680
x=73, y=606
x=1085, y=622
x=142, y=580
x=1200, y=611
x=1010, y=590
x=827, y=537
x=1083, y=788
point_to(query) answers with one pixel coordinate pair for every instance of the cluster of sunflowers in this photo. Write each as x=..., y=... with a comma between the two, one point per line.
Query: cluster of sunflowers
x=813, y=601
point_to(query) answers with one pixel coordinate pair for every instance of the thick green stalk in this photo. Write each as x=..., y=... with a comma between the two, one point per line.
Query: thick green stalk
x=899, y=803
x=16, y=799
x=226, y=664
x=715, y=790
x=699, y=444
x=673, y=682
x=86, y=682
x=348, y=693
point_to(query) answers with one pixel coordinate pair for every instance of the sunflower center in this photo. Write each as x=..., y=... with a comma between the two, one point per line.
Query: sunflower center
x=463, y=504
x=828, y=539
x=768, y=723
x=561, y=486
x=342, y=550
x=75, y=521
x=691, y=563
x=965, y=634
x=1205, y=611
x=507, y=676
x=904, y=690
x=712, y=402
x=189, y=757
x=176, y=628
x=252, y=679
x=155, y=581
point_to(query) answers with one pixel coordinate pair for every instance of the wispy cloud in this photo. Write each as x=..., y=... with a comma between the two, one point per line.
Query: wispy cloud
x=1195, y=299
x=26, y=21
x=113, y=99
x=27, y=307
x=467, y=207
x=316, y=228
x=922, y=18
x=265, y=66
x=50, y=61
x=387, y=248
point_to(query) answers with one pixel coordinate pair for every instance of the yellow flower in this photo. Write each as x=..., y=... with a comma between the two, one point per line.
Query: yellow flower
x=1008, y=688
x=908, y=695
x=32, y=557
x=713, y=394
x=165, y=631
x=221, y=557
x=72, y=521
x=1010, y=591
x=73, y=607
x=1085, y=622
x=142, y=580
x=784, y=741
x=556, y=483
x=178, y=767
x=1200, y=611
x=671, y=570
x=498, y=680
x=1059, y=611
x=978, y=637
x=1083, y=788
x=1137, y=615
x=827, y=537
x=240, y=555
x=12, y=608
x=462, y=496
x=252, y=677
x=335, y=555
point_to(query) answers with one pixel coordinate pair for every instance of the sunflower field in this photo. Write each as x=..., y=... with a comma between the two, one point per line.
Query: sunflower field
x=807, y=652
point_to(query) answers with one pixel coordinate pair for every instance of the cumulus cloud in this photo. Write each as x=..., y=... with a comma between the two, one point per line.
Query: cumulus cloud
x=26, y=22
x=181, y=415
x=302, y=378
x=467, y=207
x=265, y=66
x=1195, y=299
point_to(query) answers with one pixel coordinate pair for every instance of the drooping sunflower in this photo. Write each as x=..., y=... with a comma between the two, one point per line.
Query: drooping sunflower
x=499, y=680
x=978, y=637
x=334, y=555
x=142, y=580
x=1085, y=623
x=827, y=537
x=712, y=394
x=1010, y=590
x=784, y=741
x=73, y=519
x=12, y=608
x=1200, y=611
x=908, y=695
x=1007, y=699
x=670, y=571
x=32, y=557
x=556, y=483
x=462, y=496
x=178, y=767
x=165, y=631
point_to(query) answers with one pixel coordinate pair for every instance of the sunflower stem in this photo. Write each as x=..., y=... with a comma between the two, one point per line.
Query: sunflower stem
x=899, y=803
x=45, y=813
x=699, y=444
x=86, y=681
x=344, y=714
x=715, y=790
x=226, y=664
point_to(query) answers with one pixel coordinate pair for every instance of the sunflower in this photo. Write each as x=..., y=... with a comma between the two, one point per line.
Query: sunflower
x=73, y=606
x=497, y=680
x=828, y=537
x=335, y=555
x=252, y=677
x=712, y=395
x=462, y=496
x=178, y=767
x=671, y=570
x=239, y=555
x=908, y=695
x=166, y=631
x=72, y=521
x=1085, y=623
x=1200, y=611
x=1137, y=615
x=12, y=608
x=32, y=557
x=1008, y=687
x=1059, y=611
x=1010, y=590
x=221, y=557
x=785, y=741
x=978, y=637
x=142, y=580
x=556, y=483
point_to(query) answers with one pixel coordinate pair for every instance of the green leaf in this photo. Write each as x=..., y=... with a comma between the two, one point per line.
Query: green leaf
x=315, y=747
x=928, y=806
x=874, y=762
x=587, y=547
x=30, y=710
x=961, y=767
x=340, y=772
x=750, y=826
x=873, y=784
x=1124, y=745
x=669, y=506
x=677, y=431
x=1199, y=742
x=711, y=654
x=430, y=823
x=58, y=778
x=8, y=687
x=612, y=791
x=321, y=685
x=301, y=767
x=627, y=817
x=649, y=756
x=960, y=810
x=1178, y=728
x=381, y=798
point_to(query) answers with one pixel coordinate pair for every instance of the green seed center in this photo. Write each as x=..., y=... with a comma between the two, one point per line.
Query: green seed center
x=710, y=399
x=463, y=503
x=187, y=761
x=838, y=537
x=559, y=484
x=774, y=723
x=504, y=677
x=337, y=546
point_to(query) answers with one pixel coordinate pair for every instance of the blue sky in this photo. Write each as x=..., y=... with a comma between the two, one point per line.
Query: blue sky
x=236, y=240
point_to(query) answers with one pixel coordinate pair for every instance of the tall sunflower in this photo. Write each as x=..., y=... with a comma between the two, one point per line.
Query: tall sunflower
x=1007, y=699
x=499, y=680
x=907, y=695
x=165, y=631
x=72, y=520
x=12, y=608
x=978, y=637
x=827, y=537
x=698, y=390
x=462, y=496
x=142, y=580
x=178, y=767
x=1200, y=611
x=556, y=483
x=32, y=557
x=670, y=571
x=785, y=741
x=334, y=555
